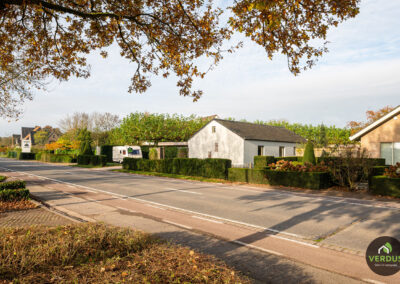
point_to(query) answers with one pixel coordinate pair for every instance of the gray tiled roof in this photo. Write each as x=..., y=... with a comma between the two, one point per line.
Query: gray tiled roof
x=251, y=131
x=25, y=131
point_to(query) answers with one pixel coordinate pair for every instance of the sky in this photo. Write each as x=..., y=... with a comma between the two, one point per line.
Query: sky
x=360, y=72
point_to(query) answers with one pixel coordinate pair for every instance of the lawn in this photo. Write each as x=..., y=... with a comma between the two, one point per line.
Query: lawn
x=96, y=253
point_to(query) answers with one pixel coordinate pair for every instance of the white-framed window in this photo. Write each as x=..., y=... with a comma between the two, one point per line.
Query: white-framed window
x=390, y=151
x=216, y=147
x=213, y=129
x=281, y=151
x=209, y=154
x=260, y=150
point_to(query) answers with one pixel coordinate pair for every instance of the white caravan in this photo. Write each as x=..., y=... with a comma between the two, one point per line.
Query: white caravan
x=121, y=152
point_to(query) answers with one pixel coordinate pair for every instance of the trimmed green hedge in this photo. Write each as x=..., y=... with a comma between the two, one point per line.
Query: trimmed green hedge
x=289, y=159
x=107, y=150
x=93, y=160
x=375, y=161
x=284, y=178
x=14, y=194
x=25, y=156
x=299, y=179
x=16, y=184
x=12, y=154
x=378, y=170
x=248, y=175
x=170, y=152
x=2, y=178
x=383, y=185
x=212, y=168
x=55, y=158
x=263, y=161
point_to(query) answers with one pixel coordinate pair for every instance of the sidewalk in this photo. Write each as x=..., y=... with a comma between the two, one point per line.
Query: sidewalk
x=262, y=256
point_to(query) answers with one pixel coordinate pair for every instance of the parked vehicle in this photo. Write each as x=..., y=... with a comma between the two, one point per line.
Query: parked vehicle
x=120, y=152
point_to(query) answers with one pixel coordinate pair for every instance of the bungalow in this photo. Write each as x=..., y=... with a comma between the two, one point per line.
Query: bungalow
x=382, y=138
x=241, y=141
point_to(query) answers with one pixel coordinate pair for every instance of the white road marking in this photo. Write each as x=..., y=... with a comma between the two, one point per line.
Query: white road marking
x=206, y=219
x=177, y=224
x=373, y=281
x=257, y=248
x=182, y=190
x=158, y=207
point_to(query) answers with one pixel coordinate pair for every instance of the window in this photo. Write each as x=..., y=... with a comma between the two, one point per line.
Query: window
x=390, y=152
x=213, y=129
x=294, y=151
x=260, y=150
x=209, y=154
x=216, y=147
x=281, y=151
x=124, y=152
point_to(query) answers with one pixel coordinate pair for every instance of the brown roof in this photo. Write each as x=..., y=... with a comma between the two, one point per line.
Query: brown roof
x=251, y=131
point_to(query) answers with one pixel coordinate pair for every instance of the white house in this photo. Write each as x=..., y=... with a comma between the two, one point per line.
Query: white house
x=241, y=141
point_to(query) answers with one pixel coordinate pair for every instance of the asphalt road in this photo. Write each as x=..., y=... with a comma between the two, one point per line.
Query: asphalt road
x=343, y=222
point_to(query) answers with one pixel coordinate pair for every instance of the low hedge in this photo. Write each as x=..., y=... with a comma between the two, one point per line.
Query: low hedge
x=289, y=159
x=26, y=156
x=383, y=185
x=311, y=180
x=14, y=194
x=55, y=158
x=261, y=162
x=12, y=154
x=375, y=161
x=94, y=160
x=16, y=184
x=248, y=175
x=107, y=150
x=2, y=178
x=211, y=168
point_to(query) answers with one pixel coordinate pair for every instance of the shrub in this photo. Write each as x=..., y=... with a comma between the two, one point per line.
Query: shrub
x=256, y=176
x=14, y=194
x=298, y=167
x=312, y=180
x=170, y=152
x=16, y=184
x=393, y=171
x=212, y=168
x=145, y=151
x=55, y=158
x=309, y=156
x=86, y=149
x=107, y=150
x=183, y=152
x=93, y=160
x=384, y=185
x=153, y=154
x=263, y=161
x=11, y=154
x=2, y=178
x=25, y=156
x=289, y=159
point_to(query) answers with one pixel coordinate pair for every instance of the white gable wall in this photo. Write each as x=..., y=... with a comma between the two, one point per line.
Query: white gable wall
x=270, y=149
x=230, y=145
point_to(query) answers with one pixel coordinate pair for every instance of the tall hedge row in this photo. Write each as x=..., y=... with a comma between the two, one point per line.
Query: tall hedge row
x=212, y=168
x=93, y=160
x=25, y=156
x=55, y=158
x=107, y=150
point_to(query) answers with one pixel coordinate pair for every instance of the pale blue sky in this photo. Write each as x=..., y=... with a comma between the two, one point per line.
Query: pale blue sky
x=361, y=72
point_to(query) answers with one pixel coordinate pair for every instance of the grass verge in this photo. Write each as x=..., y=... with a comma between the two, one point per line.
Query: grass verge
x=96, y=253
x=173, y=176
x=91, y=166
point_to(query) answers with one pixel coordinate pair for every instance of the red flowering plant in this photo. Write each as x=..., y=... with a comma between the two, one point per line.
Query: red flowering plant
x=393, y=171
x=288, y=166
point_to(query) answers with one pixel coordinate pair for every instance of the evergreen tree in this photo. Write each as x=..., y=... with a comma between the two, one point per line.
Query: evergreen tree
x=309, y=156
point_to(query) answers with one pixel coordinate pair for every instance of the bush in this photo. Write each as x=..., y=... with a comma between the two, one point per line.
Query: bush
x=183, y=152
x=145, y=151
x=153, y=154
x=55, y=158
x=263, y=161
x=16, y=184
x=248, y=175
x=2, y=178
x=298, y=167
x=289, y=159
x=393, y=171
x=312, y=180
x=170, y=152
x=378, y=170
x=14, y=194
x=25, y=156
x=309, y=156
x=93, y=160
x=86, y=149
x=383, y=185
x=212, y=168
x=107, y=150
x=12, y=154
